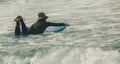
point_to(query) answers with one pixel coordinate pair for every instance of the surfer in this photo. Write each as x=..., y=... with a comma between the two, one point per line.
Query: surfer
x=37, y=28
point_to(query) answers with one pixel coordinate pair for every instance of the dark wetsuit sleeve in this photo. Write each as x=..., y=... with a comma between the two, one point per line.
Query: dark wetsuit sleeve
x=24, y=28
x=17, y=29
x=55, y=24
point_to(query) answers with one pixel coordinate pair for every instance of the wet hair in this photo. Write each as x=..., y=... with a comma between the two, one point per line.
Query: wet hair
x=41, y=14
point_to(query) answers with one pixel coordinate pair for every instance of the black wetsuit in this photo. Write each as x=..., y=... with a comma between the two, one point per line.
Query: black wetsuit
x=37, y=28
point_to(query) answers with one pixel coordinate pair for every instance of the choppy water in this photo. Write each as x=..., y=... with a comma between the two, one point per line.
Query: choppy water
x=92, y=38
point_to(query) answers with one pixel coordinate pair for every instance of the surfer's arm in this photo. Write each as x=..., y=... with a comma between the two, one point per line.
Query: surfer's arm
x=56, y=24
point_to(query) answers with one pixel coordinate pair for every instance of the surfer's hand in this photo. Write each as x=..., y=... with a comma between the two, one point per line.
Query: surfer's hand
x=67, y=24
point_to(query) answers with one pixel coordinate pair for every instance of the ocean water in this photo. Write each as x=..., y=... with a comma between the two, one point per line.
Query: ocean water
x=92, y=38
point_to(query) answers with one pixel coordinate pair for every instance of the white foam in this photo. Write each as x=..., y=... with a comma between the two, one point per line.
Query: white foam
x=65, y=55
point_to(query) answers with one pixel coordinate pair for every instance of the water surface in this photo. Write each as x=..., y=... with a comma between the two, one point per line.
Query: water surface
x=92, y=38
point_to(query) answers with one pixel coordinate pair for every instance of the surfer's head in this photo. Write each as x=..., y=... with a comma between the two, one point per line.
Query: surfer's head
x=42, y=15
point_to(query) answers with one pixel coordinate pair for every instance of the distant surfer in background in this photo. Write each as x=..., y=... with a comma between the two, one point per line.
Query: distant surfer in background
x=37, y=28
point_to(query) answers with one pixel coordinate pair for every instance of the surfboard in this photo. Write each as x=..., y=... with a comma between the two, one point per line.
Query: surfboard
x=55, y=28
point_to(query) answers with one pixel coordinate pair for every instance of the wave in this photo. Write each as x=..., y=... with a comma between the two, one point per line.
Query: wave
x=64, y=55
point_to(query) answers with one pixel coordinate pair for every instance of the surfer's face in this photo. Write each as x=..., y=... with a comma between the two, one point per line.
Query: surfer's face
x=42, y=15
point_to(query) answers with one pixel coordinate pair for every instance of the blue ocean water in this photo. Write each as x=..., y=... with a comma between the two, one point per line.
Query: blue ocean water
x=92, y=38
